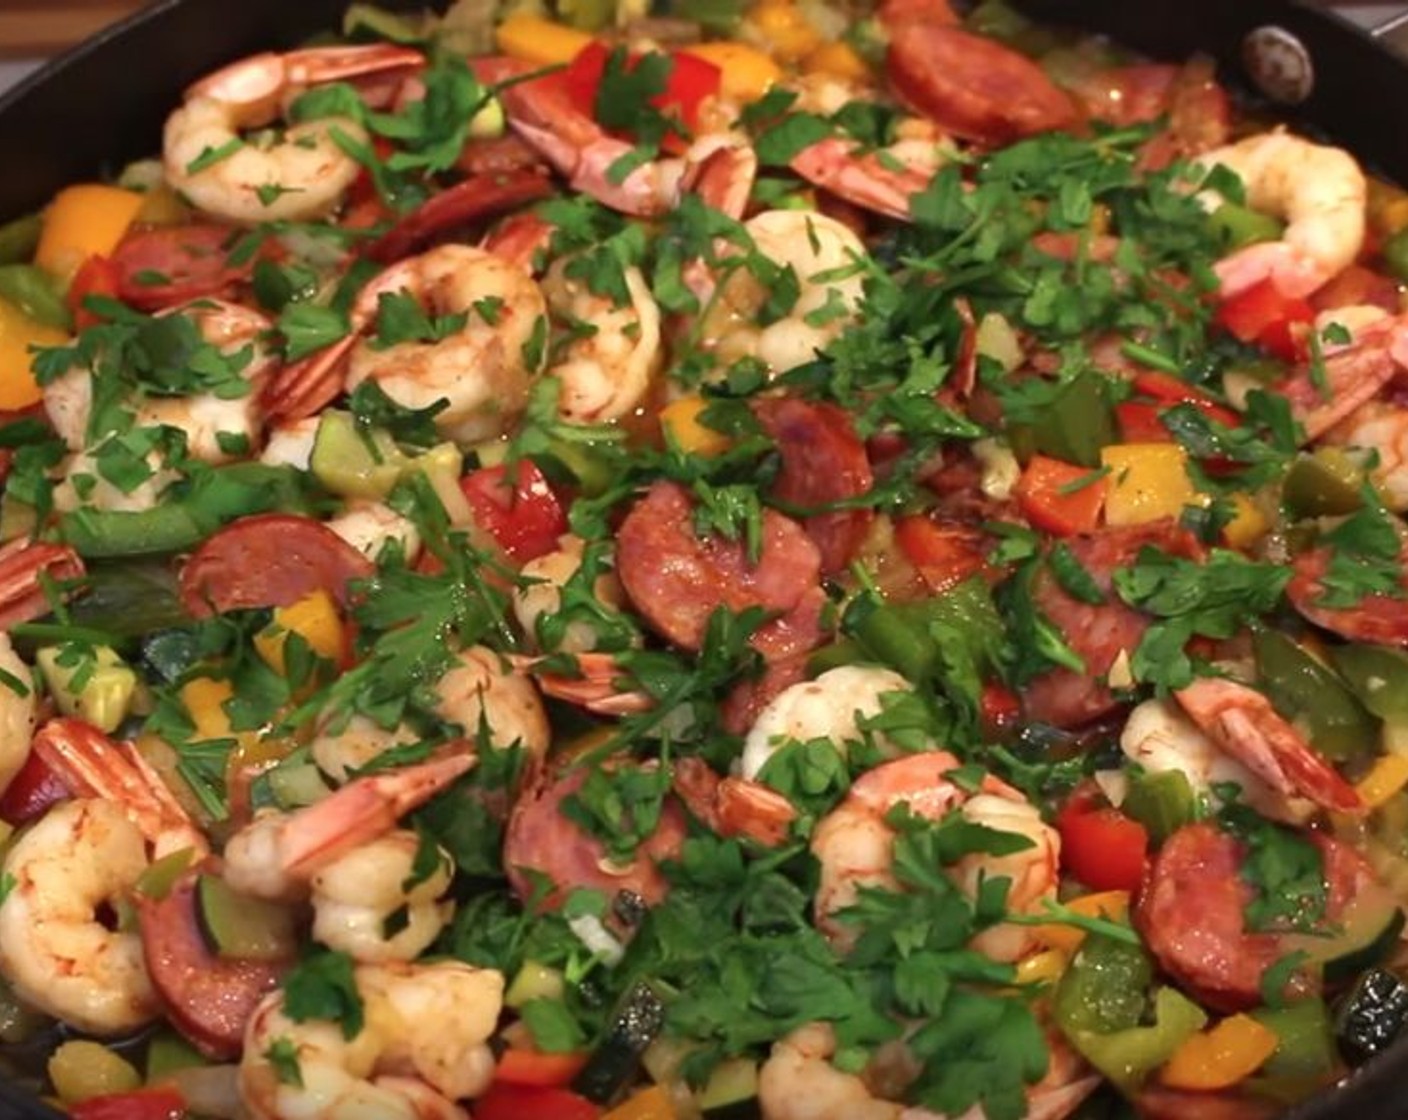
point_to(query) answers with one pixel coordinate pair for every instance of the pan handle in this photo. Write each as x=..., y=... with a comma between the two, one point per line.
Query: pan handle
x=1393, y=31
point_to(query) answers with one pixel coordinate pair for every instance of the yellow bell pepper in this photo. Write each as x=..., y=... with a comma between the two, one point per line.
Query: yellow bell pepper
x=313, y=618
x=649, y=1104
x=18, y=332
x=781, y=26
x=540, y=41
x=837, y=60
x=1248, y=526
x=1042, y=968
x=1387, y=776
x=1147, y=482
x=1220, y=1057
x=84, y=221
x=1113, y=905
x=746, y=72
x=204, y=698
x=680, y=420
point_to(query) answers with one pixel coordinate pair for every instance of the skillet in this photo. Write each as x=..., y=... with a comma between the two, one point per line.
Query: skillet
x=103, y=103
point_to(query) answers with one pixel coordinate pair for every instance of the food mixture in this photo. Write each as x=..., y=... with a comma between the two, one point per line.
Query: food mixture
x=749, y=560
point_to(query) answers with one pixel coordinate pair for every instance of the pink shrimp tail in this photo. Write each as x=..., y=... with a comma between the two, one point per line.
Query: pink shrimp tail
x=364, y=809
x=1293, y=273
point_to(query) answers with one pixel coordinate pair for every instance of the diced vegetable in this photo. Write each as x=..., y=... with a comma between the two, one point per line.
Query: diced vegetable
x=1219, y=1058
x=837, y=60
x=1327, y=483
x=1101, y=846
x=731, y=1091
x=614, y=1063
x=746, y=73
x=84, y=221
x=315, y=619
x=1314, y=696
x=783, y=29
x=80, y=1069
x=1162, y=802
x=1385, y=778
x=31, y=289
x=1059, y=497
x=535, y=981
x=243, y=927
x=1113, y=905
x=352, y=463
x=525, y=517
x=95, y=684
x=161, y=875
x=296, y=785
x=18, y=332
x=168, y=1052
x=1105, y=988
x=1395, y=254
x=680, y=422
x=141, y=1104
x=1304, y=1041
x=527, y=1102
x=1128, y=1056
x=1148, y=482
x=540, y=41
x=1239, y=226
x=1378, y=676
x=1371, y=1016
x=1264, y=316
x=1367, y=934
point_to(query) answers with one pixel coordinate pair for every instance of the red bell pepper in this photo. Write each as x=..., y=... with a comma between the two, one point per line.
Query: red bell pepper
x=141, y=1104
x=691, y=80
x=97, y=276
x=1060, y=497
x=1275, y=322
x=1100, y=846
x=31, y=791
x=942, y=556
x=526, y=1102
x=518, y=1066
x=524, y=516
x=999, y=707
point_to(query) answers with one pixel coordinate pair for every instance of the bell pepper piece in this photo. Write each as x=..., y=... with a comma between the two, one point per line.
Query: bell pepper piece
x=1128, y=1056
x=942, y=558
x=524, y=516
x=1378, y=676
x=143, y=1104
x=1045, y=967
x=1102, y=847
x=18, y=332
x=84, y=221
x=1385, y=778
x=1311, y=694
x=680, y=421
x=784, y=28
x=541, y=41
x=32, y=290
x=1305, y=1047
x=1247, y=526
x=691, y=79
x=519, y=1066
x=1105, y=988
x=204, y=699
x=97, y=276
x=315, y=619
x=746, y=73
x=649, y=1104
x=1327, y=483
x=1162, y=802
x=1113, y=905
x=1148, y=482
x=1059, y=497
x=1262, y=315
x=528, y=1102
x=837, y=60
x=1219, y=1058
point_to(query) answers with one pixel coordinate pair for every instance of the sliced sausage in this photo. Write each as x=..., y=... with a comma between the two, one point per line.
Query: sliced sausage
x=170, y=265
x=823, y=461
x=1098, y=633
x=207, y=997
x=473, y=201
x=974, y=87
x=1375, y=618
x=1192, y=915
x=542, y=839
x=677, y=579
x=269, y=560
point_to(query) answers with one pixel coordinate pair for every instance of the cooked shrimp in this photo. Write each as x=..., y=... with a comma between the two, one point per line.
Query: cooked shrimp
x=1382, y=428
x=1321, y=193
x=1161, y=738
x=733, y=806
x=343, y=745
x=826, y=258
x=484, y=691
x=798, y=1082
x=17, y=711
x=1243, y=723
x=1352, y=374
x=80, y=860
x=539, y=597
x=29, y=571
x=291, y=444
x=300, y=176
x=480, y=370
x=855, y=845
x=277, y=854
x=370, y=526
x=830, y=707
x=423, y=1046
x=596, y=685
x=614, y=349
x=212, y=424
x=356, y=895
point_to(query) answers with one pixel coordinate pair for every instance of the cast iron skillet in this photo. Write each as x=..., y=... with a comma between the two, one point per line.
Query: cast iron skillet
x=103, y=104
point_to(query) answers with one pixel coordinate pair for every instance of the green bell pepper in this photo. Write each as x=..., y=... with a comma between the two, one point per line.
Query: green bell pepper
x=1104, y=989
x=1378, y=676
x=1314, y=696
x=1128, y=1056
x=30, y=289
x=1163, y=802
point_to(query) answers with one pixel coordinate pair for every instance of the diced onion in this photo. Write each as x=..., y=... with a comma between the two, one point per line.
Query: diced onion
x=596, y=937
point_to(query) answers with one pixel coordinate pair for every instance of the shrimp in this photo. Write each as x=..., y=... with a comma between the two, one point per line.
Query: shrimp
x=1321, y=193
x=595, y=686
x=17, y=711
x=539, y=597
x=370, y=527
x=27, y=571
x=827, y=260
x=717, y=166
x=481, y=370
x=423, y=1046
x=355, y=896
x=1382, y=428
x=798, y=1082
x=1243, y=723
x=1352, y=375
x=733, y=806
x=302, y=175
x=1161, y=738
x=613, y=352
x=277, y=854
x=854, y=846
x=832, y=707
x=80, y=860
